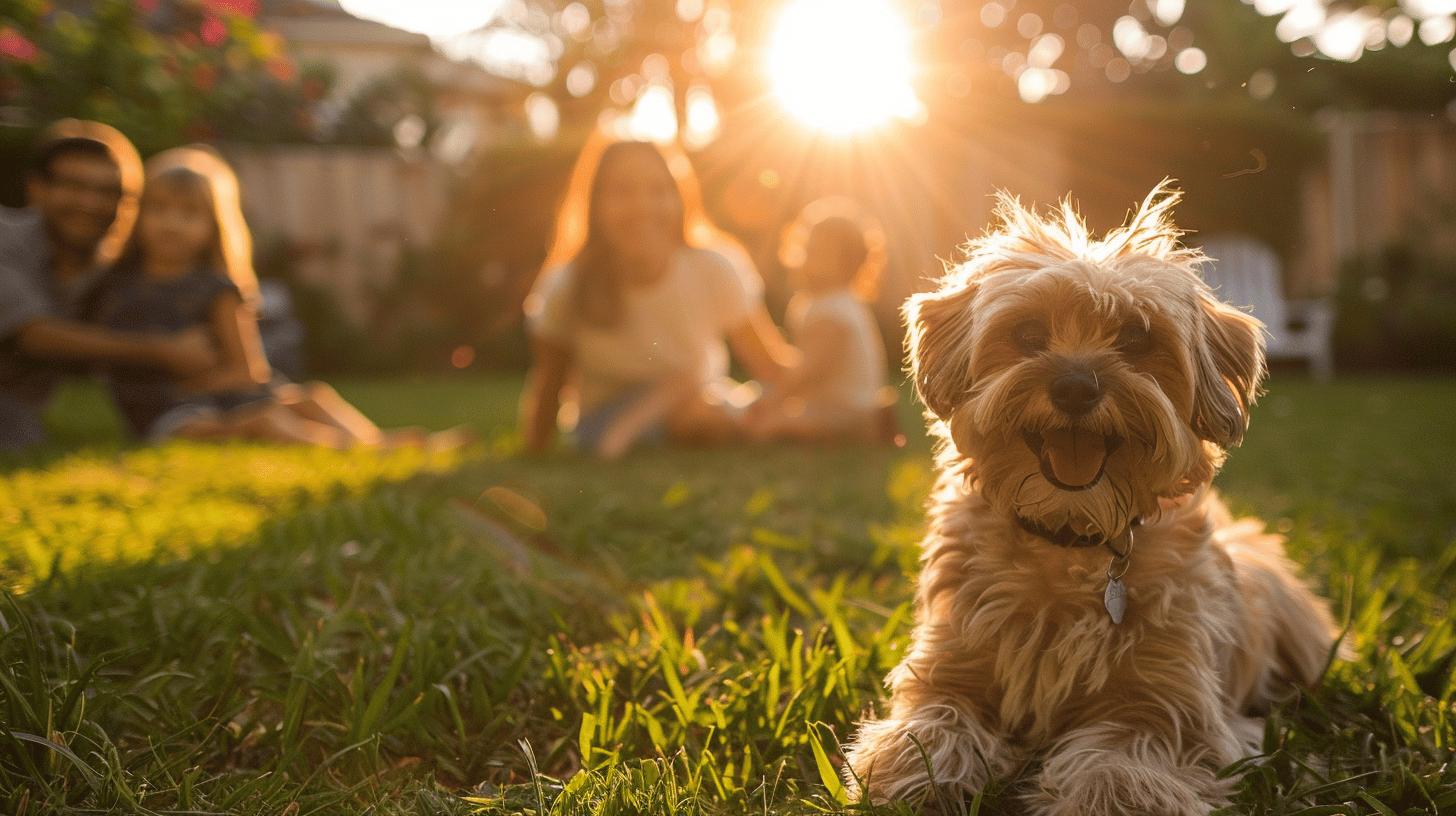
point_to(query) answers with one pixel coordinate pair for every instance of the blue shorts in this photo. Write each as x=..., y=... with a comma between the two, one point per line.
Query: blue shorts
x=592, y=425
x=203, y=407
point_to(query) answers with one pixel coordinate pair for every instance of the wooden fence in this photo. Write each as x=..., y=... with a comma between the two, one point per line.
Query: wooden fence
x=345, y=214
x=1391, y=177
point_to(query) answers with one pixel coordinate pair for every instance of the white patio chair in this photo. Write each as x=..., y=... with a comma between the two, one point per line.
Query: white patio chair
x=1246, y=273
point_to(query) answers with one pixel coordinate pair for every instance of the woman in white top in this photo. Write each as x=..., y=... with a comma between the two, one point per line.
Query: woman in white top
x=837, y=390
x=629, y=317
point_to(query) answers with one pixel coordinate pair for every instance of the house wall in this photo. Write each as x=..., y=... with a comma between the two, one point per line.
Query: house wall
x=357, y=50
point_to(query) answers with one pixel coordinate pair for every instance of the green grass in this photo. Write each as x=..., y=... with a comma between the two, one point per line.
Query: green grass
x=258, y=630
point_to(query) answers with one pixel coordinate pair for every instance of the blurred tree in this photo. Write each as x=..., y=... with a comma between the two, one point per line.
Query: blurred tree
x=392, y=109
x=1283, y=51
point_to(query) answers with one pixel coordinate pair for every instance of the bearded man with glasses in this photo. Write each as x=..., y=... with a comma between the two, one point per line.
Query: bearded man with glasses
x=82, y=195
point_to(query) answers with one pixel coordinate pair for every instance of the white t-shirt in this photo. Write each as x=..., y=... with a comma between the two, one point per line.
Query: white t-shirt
x=671, y=327
x=858, y=370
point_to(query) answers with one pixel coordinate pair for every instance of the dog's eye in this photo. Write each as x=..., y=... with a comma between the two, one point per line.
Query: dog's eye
x=1030, y=336
x=1134, y=339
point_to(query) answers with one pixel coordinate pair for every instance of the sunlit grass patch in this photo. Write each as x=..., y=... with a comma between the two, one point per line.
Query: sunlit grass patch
x=179, y=499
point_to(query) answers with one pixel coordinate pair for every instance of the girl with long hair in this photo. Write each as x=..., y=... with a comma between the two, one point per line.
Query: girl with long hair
x=629, y=316
x=188, y=264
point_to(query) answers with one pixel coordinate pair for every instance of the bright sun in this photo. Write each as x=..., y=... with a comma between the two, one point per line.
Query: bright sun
x=843, y=66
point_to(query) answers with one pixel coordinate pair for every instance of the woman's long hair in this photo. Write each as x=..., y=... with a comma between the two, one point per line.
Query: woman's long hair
x=597, y=295
x=201, y=172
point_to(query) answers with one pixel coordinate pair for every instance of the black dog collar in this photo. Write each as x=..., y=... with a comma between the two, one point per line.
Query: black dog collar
x=1064, y=536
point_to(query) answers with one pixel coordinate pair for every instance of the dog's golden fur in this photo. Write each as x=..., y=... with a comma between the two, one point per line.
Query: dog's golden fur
x=1013, y=656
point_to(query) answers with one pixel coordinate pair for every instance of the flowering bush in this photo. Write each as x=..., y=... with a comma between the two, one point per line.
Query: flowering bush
x=163, y=71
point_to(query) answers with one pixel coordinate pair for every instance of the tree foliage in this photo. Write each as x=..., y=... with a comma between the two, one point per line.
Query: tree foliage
x=163, y=71
x=1098, y=48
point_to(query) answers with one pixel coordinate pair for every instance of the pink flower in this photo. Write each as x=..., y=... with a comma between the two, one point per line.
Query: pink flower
x=213, y=31
x=17, y=46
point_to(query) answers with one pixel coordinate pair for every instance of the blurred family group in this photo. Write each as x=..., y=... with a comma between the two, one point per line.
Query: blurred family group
x=142, y=275
x=642, y=297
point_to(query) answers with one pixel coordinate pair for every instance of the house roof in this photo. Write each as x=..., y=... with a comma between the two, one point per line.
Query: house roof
x=319, y=22
x=325, y=23
x=301, y=8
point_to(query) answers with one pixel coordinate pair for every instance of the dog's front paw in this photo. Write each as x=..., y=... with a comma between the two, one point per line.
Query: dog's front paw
x=1118, y=785
x=943, y=757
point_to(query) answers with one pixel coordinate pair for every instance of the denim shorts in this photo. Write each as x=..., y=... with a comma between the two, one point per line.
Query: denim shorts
x=593, y=424
x=203, y=406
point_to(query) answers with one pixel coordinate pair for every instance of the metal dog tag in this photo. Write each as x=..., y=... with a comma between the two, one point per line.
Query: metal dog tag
x=1115, y=599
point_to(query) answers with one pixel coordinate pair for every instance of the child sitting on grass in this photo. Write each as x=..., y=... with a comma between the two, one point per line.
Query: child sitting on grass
x=837, y=391
x=188, y=265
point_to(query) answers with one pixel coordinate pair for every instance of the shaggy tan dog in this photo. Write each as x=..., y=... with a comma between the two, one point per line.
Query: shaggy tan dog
x=1086, y=599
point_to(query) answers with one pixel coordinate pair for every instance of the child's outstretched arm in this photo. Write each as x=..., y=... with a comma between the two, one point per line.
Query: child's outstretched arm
x=541, y=399
x=56, y=338
x=761, y=348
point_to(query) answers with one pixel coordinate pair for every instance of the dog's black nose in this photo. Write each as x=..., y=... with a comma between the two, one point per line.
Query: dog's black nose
x=1075, y=392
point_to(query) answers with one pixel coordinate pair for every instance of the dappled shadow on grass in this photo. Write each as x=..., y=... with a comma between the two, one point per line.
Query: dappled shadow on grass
x=89, y=498
x=313, y=661
x=361, y=648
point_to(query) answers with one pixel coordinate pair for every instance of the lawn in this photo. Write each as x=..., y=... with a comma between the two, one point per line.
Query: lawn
x=258, y=630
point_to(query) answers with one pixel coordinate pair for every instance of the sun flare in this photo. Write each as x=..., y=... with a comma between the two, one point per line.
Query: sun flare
x=843, y=66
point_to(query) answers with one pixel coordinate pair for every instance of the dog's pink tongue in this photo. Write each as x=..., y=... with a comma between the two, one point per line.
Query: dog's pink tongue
x=1074, y=454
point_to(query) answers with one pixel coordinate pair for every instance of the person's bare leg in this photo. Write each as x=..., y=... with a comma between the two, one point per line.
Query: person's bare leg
x=277, y=423
x=271, y=423
x=319, y=402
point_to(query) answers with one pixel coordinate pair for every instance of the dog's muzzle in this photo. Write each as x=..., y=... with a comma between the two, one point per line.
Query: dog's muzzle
x=1076, y=391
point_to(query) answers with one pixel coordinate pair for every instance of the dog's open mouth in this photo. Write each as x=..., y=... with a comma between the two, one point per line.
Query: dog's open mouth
x=1071, y=458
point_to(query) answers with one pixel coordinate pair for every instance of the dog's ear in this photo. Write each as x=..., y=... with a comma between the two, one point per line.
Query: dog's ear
x=939, y=344
x=1228, y=358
